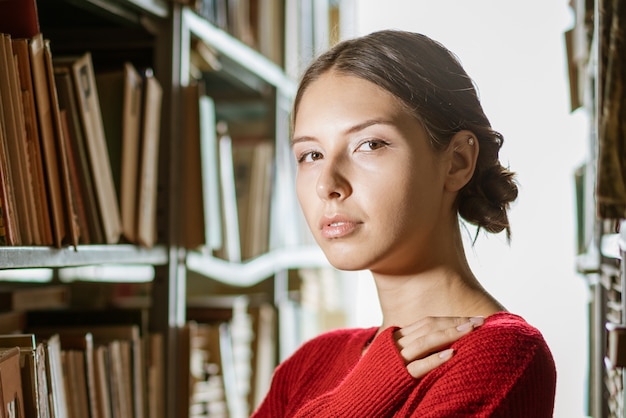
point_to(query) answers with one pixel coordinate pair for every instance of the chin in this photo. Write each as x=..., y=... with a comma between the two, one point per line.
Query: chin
x=345, y=262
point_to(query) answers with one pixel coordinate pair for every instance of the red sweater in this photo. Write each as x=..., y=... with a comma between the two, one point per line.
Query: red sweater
x=502, y=369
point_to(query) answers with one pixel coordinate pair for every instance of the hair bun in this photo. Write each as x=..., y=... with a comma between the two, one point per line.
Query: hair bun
x=485, y=200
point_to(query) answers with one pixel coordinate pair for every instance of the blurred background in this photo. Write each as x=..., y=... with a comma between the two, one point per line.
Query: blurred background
x=515, y=52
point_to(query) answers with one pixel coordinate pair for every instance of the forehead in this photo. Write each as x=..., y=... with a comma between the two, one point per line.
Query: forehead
x=334, y=95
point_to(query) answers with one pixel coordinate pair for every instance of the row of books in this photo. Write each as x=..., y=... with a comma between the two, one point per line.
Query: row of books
x=81, y=371
x=101, y=361
x=228, y=176
x=256, y=23
x=78, y=149
x=232, y=353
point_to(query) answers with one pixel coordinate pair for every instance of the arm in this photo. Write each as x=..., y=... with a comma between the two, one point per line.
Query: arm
x=312, y=383
x=381, y=382
x=378, y=382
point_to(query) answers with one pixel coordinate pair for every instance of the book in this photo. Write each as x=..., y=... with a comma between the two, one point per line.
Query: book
x=32, y=371
x=77, y=217
x=24, y=297
x=125, y=361
x=14, y=138
x=253, y=170
x=55, y=376
x=43, y=101
x=41, y=206
x=27, y=196
x=102, y=379
x=91, y=119
x=61, y=130
x=11, y=394
x=149, y=161
x=210, y=173
x=19, y=18
x=265, y=352
x=120, y=93
x=11, y=234
x=78, y=348
x=231, y=247
x=155, y=372
x=78, y=150
x=192, y=214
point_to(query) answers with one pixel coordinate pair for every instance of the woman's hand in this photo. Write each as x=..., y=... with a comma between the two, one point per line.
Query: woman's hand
x=424, y=345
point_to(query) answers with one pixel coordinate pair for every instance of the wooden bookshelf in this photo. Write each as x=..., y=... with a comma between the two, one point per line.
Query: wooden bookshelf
x=592, y=52
x=252, y=95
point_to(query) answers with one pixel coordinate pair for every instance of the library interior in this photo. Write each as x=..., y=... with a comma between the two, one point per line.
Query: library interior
x=154, y=259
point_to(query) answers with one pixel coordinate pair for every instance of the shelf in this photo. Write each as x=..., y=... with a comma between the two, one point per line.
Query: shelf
x=258, y=269
x=157, y=8
x=248, y=58
x=35, y=257
x=127, y=8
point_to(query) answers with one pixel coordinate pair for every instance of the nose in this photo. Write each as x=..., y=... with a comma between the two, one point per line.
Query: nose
x=333, y=182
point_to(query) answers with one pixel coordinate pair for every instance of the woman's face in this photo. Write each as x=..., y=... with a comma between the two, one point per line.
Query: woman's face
x=370, y=186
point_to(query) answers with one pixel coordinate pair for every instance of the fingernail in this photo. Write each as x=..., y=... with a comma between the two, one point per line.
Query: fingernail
x=477, y=320
x=446, y=354
x=465, y=327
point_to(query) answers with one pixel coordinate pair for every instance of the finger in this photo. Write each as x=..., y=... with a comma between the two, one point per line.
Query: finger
x=432, y=323
x=423, y=345
x=419, y=368
x=405, y=336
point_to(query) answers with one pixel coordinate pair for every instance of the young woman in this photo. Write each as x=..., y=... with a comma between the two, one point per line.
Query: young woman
x=392, y=147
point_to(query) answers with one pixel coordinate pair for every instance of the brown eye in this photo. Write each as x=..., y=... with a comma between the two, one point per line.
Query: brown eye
x=310, y=156
x=371, y=145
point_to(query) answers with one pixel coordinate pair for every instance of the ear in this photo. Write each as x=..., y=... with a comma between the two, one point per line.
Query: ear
x=462, y=155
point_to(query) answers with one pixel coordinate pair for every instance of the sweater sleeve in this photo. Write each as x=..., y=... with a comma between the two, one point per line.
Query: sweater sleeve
x=376, y=387
x=508, y=373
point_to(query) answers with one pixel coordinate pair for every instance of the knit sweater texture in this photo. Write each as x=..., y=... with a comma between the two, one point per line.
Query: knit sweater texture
x=502, y=369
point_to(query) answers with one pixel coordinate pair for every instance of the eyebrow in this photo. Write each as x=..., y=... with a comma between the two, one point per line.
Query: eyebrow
x=356, y=128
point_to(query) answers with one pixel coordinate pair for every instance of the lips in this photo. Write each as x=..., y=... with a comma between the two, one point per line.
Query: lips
x=337, y=227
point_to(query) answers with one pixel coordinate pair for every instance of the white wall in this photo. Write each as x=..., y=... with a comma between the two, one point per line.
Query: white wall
x=515, y=53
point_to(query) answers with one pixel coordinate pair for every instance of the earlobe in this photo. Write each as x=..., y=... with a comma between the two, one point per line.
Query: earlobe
x=463, y=153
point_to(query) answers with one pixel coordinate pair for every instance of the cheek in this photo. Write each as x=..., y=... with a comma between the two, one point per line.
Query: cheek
x=305, y=191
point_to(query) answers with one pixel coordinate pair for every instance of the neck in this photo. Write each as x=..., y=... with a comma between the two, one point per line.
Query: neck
x=438, y=292
x=446, y=287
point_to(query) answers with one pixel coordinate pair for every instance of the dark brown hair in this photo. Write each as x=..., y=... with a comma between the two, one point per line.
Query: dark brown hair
x=431, y=83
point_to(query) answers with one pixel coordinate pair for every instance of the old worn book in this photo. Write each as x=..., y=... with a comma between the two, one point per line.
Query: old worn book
x=70, y=214
x=14, y=138
x=35, y=153
x=79, y=349
x=43, y=101
x=56, y=379
x=192, y=219
x=78, y=149
x=11, y=233
x=125, y=361
x=149, y=161
x=33, y=372
x=120, y=94
x=91, y=119
x=11, y=394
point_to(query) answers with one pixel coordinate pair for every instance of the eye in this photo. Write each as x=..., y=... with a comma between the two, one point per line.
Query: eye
x=309, y=156
x=372, y=145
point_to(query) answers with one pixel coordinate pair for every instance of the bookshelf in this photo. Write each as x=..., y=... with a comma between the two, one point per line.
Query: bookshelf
x=594, y=56
x=247, y=88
